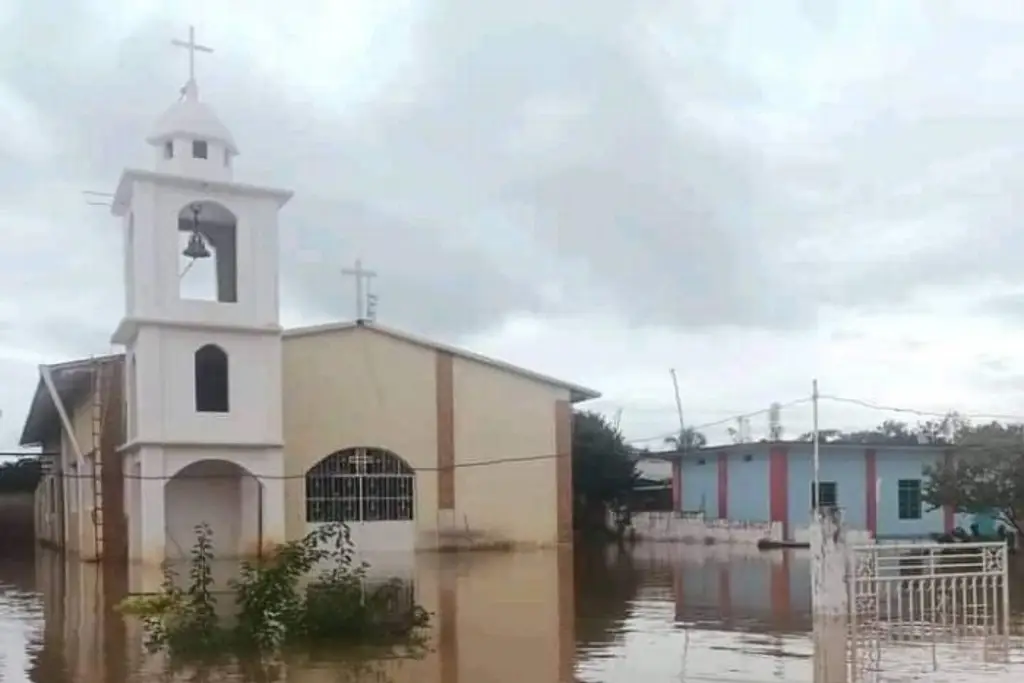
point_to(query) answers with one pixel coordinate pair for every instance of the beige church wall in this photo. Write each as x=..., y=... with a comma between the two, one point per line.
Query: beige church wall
x=356, y=388
x=502, y=416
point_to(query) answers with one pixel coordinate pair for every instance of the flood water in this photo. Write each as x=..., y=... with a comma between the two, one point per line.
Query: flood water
x=656, y=613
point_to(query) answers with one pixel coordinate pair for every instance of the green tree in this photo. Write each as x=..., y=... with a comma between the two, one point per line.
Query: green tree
x=688, y=439
x=985, y=474
x=603, y=469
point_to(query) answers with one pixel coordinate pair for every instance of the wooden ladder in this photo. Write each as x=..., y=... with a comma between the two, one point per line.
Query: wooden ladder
x=98, y=395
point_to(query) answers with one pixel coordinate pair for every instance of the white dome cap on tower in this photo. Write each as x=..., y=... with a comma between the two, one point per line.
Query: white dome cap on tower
x=191, y=119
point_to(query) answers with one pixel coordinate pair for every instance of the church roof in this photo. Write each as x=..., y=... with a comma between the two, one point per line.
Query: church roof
x=72, y=381
x=190, y=118
x=577, y=392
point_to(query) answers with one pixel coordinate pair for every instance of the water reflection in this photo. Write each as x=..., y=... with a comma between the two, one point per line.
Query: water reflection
x=656, y=612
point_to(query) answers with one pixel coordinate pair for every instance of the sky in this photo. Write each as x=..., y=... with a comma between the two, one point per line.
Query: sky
x=754, y=194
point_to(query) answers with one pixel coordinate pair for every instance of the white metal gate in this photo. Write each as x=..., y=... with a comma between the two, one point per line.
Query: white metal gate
x=372, y=491
x=921, y=593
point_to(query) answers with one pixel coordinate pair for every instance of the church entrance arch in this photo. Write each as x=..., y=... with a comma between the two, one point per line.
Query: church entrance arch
x=220, y=494
x=371, y=490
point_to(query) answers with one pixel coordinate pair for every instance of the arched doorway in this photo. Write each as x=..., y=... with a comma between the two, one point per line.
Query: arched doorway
x=224, y=496
x=372, y=490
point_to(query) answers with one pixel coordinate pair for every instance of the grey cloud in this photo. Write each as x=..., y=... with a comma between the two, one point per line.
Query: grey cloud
x=431, y=280
x=672, y=224
x=995, y=365
x=657, y=187
x=641, y=158
x=1009, y=306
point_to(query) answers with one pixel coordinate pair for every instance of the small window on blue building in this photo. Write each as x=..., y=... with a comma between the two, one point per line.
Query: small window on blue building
x=748, y=457
x=701, y=461
x=829, y=494
x=909, y=492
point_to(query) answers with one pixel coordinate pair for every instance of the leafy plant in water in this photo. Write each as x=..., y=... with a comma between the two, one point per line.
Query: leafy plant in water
x=177, y=619
x=274, y=607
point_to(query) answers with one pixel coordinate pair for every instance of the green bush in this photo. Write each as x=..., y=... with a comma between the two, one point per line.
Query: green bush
x=274, y=610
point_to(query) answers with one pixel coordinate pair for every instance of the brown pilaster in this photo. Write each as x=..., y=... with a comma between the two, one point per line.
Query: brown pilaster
x=563, y=471
x=448, y=626
x=566, y=616
x=445, y=399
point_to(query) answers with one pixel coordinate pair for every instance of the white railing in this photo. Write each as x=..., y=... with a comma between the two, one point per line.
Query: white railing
x=933, y=593
x=913, y=591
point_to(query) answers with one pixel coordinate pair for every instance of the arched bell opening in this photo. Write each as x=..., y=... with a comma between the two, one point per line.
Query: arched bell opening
x=208, y=262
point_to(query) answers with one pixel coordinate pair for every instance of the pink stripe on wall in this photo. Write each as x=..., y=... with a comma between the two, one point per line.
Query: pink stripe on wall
x=778, y=486
x=871, y=489
x=948, y=518
x=723, y=485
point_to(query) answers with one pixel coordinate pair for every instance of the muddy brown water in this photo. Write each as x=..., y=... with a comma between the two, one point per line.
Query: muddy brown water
x=656, y=613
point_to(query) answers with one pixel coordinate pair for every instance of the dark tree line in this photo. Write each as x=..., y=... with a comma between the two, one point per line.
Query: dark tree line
x=20, y=476
x=942, y=431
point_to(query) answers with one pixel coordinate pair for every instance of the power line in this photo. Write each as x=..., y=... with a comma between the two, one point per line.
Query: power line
x=285, y=477
x=917, y=412
x=724, y=421
x=871, y=405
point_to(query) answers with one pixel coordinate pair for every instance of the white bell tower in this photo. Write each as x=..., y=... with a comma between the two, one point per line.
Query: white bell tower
x=203, y=369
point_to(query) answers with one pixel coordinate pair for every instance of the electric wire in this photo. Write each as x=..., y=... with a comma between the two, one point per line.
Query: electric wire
x=920, y=413
x=280, y=477
x=722, y=421
x=906, y=410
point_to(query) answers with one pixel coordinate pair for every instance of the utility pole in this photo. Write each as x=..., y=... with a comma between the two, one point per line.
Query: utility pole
x=679, y=408
x=816, y=452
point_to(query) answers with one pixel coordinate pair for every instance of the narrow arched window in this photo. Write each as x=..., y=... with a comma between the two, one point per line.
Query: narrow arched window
x=211, y=366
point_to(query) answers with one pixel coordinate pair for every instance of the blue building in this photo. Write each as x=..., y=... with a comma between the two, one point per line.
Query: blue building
x=878, y=486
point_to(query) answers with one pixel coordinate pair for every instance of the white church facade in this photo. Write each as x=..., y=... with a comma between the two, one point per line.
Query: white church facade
x=213, y=414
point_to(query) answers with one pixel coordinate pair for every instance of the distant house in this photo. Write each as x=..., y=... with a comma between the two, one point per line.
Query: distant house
x=878, y=487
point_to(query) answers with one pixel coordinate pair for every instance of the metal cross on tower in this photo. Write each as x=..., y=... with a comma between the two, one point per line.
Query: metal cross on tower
x=362, y=277
x=192, y=46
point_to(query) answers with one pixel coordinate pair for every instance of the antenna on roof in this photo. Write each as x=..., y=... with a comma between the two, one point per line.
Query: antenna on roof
x=775, y=422
x=93, y=198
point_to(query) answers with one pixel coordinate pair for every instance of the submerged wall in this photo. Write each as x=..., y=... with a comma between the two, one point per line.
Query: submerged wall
x=694, y=528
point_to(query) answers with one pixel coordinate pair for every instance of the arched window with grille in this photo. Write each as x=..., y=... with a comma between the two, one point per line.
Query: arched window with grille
x=360, y=485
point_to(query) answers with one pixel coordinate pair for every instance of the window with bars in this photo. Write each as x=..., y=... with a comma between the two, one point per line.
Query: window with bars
x=360, y=485
x=908, y=493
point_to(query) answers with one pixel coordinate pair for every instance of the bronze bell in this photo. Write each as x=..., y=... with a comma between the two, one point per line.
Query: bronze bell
x=196, y=247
